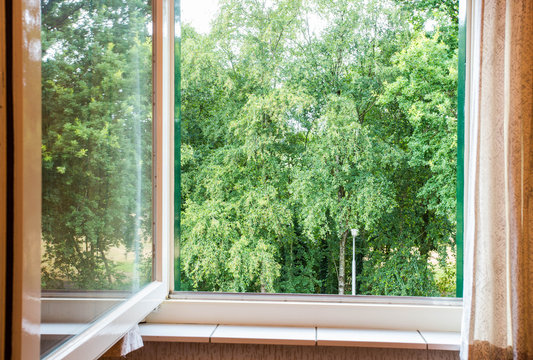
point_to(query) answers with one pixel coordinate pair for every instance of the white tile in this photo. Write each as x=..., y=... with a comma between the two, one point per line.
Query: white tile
x=442, y=340
x=370, y=338
x=176, y=332
x=264, y=335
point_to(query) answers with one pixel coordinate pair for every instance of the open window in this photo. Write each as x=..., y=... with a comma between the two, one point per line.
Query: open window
x=101, y=48
x=92, y=134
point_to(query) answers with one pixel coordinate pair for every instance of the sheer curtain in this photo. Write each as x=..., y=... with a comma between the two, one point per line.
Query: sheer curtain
x=498, y=293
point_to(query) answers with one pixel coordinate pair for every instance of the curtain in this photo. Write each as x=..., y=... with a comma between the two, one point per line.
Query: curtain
x=498, y=284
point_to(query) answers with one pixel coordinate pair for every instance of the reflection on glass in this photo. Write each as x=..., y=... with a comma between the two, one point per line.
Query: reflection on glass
x=96, y=160
x=318, y=146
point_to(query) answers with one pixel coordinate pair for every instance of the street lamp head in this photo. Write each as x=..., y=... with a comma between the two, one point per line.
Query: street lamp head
x=355, y=232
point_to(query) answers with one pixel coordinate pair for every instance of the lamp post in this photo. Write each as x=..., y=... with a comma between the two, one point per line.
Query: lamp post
x=354, y=234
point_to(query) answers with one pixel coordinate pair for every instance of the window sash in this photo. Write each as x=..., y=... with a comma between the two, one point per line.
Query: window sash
x=105, y=331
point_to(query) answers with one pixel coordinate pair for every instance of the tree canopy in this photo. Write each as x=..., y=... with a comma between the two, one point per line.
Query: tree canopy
x=97, y=144
x=300, y=121
x=304, y=119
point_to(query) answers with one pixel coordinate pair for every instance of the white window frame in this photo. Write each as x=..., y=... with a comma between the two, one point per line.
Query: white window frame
x=333, y=311
x=103, y=332
x=368, y=312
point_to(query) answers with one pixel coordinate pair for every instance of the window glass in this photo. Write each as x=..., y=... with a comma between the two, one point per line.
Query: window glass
x=318, y=147
x=96, y=160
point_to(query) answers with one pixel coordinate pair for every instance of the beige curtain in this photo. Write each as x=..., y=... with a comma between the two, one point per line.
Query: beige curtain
x=498, y=294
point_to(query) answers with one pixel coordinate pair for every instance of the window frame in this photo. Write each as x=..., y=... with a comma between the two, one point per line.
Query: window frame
x=103, y=332
x=386, y=312
x=333, y=311
x=3, y=176
x=433, y=314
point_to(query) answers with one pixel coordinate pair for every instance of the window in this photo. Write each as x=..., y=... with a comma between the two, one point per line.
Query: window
x=97, y=154
x=106, y=174
x=318, y=148
x=100, y=328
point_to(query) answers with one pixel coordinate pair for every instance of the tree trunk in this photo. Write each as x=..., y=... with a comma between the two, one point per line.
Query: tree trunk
x=104, y=259
x=342, y=255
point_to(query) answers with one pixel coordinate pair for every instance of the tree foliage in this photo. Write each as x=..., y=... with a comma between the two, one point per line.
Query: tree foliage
x=300, y=120
x=293, y=134
x=97, y=140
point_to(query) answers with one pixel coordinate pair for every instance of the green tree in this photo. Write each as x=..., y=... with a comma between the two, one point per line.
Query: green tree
x=96, y=141
x=293, y=134
x=301, y=120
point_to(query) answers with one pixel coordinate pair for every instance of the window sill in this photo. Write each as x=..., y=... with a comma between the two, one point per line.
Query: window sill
x=377, y=322
x=398, y=314
x=275, y=335
x=306, y=336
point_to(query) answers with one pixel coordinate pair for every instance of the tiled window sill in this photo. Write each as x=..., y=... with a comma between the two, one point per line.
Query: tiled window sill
x=310, y=336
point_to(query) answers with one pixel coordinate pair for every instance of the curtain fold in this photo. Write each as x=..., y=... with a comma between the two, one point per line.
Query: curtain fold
x=498, y=293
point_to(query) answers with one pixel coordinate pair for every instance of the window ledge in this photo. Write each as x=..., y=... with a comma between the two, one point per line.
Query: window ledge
x=310, y=336
x=380, y=322
x=394, y=315
x=283, y=335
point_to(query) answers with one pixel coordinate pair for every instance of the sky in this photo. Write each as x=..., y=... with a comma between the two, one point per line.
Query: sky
x=199, y=13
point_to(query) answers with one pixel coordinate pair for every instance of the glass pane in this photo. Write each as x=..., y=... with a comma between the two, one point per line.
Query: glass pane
x=96, y=160
x=318, y=147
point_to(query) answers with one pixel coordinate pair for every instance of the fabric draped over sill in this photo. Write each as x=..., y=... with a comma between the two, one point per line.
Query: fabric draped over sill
x=130, y=342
